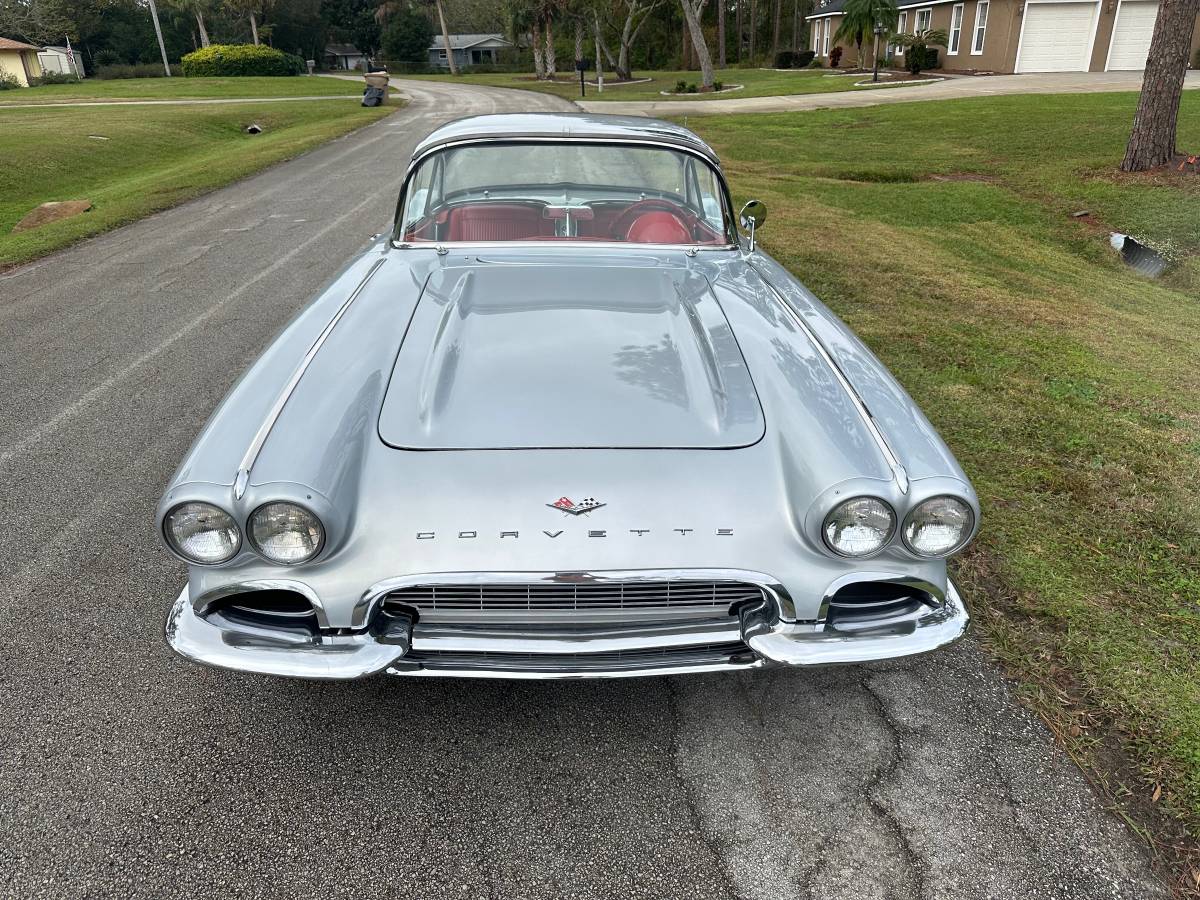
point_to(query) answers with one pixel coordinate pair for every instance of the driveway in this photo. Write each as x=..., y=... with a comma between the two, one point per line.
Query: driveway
x=125, y=771
x=951, y=88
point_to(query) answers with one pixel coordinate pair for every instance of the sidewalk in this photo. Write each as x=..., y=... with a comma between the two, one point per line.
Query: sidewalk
x=194, y=102
x=979, y=86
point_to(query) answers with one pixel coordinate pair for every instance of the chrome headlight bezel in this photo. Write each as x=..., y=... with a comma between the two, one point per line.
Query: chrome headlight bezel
x=964, y=538
x=175, y=547
x=323, y=534
x=893, y=524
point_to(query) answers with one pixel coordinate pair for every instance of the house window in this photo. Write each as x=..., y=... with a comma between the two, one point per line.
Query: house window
x=981, y=13
x=923, y=18
x=901, y=27
x=825, y=43
x=956, y=21
x=816, y=36
x=441, y=54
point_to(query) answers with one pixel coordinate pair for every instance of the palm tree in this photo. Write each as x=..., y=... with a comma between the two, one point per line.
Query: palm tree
x=917, y=44
x=861, y=18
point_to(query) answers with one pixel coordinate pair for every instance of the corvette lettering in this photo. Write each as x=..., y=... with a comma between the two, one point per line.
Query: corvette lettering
x=591, y=533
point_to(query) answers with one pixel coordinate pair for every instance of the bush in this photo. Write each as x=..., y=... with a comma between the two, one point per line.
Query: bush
x=144, y=70
x=52, y=78
x=835, y=57
x=106, y=58
x=692, y=89
x=718, y=85
x=8, y=82
x=225, y=60
x=918, y=58
x=785, y=59
x=802, y=59
x=680, y=86
x=408, y=37
x=816, y=63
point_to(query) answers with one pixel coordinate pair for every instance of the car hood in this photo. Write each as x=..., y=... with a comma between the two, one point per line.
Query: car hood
x=546, y=356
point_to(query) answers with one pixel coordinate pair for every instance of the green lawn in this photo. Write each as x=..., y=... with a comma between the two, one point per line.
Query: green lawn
x=1067, y=385
x=179, y=88
x=758, y=83
x=154, y=157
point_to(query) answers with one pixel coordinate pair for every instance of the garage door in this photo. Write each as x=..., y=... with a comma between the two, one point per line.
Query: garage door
x=1131, y=35
x=1057, y=37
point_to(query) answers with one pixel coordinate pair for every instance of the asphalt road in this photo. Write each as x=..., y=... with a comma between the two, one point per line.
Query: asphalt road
x=125, y=771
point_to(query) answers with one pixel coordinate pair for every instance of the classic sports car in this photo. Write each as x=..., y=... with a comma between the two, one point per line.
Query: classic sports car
x=565, y=420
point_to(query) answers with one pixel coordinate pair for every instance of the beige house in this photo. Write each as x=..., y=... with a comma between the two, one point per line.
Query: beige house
x=1016, y=35
x=19, y=60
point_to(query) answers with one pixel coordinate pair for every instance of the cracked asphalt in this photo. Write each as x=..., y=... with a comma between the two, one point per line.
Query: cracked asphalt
x=127, y=772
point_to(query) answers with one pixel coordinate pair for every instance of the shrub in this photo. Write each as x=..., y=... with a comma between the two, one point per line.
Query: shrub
x=224, y=60
x=144, y=70
x=52, y=78
x=8, y=82
x=802, y=59
x=106, y=58
x=835, y=57
x=816, y=63
x=785, y=59
x=408, y=37
x=718, y=85
x=680, y=86
x=692, y=89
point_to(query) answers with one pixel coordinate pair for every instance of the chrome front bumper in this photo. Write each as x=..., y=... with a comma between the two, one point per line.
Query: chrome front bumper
x=615, y=652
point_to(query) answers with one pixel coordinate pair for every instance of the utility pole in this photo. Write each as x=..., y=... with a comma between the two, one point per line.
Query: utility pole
x=158, y=33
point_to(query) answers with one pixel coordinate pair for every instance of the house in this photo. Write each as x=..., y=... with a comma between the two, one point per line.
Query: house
x=1018, y=35
x=19, y=60
x=468, y=49
x=61, y=60
x=344, y=56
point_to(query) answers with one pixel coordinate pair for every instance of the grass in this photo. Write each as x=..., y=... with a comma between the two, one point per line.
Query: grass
x=152, y=158
x=1066, y=384
x=758, y=83
x=182, y=89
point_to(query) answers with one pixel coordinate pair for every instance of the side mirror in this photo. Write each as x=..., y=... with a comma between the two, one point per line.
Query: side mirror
x=752, y=217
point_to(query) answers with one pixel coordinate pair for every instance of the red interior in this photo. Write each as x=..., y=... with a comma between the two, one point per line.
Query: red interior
x=487, y=222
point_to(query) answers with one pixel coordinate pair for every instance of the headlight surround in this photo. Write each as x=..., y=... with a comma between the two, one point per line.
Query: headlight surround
x=939, y=526
x=285, y=533
x=860, y=526
x=202, y=533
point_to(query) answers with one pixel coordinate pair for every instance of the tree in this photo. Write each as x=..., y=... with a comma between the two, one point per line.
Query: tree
x=196, y=8
x=917, y=45
x=637, y=12
x=354, y=22
x=692, y=9
x=37, y=21
x=776, y=15
x=1152, y=139
x=407, y=37
x=721, y=4
x=860, y=19
x=250, y=9
x=441, y=14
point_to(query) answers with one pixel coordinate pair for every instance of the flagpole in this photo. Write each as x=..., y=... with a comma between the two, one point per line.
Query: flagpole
x=71, y=59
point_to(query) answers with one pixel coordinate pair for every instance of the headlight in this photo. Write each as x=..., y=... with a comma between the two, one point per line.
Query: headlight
x=286, y=533
x=859, y=526
x=202, y=533
x=938, y=527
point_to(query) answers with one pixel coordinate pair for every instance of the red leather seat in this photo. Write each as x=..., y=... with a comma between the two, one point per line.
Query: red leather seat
x=658, y=227
x=494, y=222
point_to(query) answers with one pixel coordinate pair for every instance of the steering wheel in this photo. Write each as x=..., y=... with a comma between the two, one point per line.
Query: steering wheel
x=619, y=229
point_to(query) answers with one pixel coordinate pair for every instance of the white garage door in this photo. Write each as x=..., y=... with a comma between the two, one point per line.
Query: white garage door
x=1131, y=35
x=1057, y=37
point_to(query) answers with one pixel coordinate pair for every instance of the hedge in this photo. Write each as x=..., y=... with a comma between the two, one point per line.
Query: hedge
x=223, y=60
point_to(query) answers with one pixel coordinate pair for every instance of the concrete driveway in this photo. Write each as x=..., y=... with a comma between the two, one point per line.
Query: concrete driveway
x=980, y=86
x=125, y=771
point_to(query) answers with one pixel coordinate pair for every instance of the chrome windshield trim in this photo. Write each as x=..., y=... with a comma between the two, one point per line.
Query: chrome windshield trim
x=365, y=608
x=242, y=477
x=899, y=473
x=444, y=246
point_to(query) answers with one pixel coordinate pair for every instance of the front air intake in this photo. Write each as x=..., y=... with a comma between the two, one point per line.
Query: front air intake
x=278, y=609
x=869, y=604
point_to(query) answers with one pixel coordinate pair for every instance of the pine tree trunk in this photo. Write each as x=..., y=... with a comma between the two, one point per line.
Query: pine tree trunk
x=551, y=59
x=753, y=27
x=737, y=18
x=1152, y=141
x=691, y=15
x=204, y=42
x=254, y=28
x=795, y=25
x=776, y=17
x=721, y=33
x=446, y=37
x=623, y=70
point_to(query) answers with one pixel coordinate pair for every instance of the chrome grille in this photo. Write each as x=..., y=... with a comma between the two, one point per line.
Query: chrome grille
x=715, y=597
x=642, y=658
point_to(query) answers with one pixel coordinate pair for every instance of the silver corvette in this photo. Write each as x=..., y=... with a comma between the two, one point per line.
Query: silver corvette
x=565, y=420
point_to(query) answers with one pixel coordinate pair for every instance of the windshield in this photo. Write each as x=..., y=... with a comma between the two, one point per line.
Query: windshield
x=564, y=192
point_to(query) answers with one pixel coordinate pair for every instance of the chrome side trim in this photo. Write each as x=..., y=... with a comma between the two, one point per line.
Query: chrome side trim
x=242, y=479
x=203, y=603
x=899, y=473
x=365, y=608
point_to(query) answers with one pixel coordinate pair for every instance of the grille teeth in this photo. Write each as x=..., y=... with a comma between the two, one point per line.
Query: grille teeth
x=616, y=595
